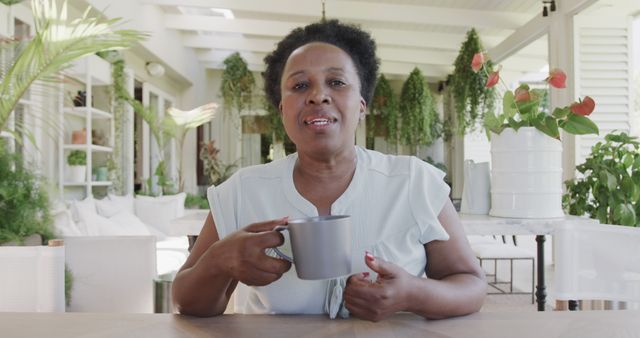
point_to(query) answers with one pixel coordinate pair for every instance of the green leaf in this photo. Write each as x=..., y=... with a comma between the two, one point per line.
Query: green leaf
x=627, y=160
x=602, y=216
x=625, y=214
x=491, y=122
x=561, y=113
x=509, y=104
x=579, y=125
x=609, y=180
x=528, y=107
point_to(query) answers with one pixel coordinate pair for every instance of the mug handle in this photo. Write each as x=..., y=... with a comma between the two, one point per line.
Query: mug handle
x=280, y=254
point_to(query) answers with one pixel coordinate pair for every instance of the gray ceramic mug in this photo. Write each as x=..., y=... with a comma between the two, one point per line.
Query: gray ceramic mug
x=321, y=246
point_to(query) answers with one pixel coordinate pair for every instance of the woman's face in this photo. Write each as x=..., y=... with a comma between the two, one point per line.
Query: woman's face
x=321, y=102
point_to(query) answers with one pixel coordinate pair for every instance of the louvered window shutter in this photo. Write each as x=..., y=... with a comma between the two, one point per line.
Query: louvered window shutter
x=604, y=72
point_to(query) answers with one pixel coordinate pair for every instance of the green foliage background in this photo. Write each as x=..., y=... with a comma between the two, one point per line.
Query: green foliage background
x=419, y=122
x=610, y=188
x=24, y=202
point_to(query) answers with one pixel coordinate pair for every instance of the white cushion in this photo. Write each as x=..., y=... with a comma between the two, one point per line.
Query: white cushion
x=87, y=205
x=108, y=208
x=125, y=202
x=159, y=211
x=130, y=225
x=88, y=222
x=64, y=225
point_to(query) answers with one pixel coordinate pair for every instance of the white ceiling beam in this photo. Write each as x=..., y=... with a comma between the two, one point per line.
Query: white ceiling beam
x=217, y=24
x=535, y=28
x=230, y=43
x=383, y=37
x=273, y=31
x=366, y=11
x=218, y=56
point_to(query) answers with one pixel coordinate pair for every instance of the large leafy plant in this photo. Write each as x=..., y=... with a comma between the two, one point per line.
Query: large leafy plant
x=385, y=105
x=470, y=95
x=524, y=106
x=419, y=123
x=237, y=85
x=57, y=42
x=24, y=203
x=610, y=187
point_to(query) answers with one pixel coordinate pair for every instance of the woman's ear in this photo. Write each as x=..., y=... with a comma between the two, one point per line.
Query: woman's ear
x=363, y=108
x=280, y=108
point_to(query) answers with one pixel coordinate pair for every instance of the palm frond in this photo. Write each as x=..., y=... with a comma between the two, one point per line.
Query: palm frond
x=57, y=42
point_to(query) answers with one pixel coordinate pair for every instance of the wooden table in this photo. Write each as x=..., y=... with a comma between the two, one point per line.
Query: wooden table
x=488, y=225
x=583, y=324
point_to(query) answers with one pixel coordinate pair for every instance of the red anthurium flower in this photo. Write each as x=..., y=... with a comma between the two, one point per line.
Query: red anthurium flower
x=557, y=78
x=493, y=78
x=522, y=95
x=478, y=61
x=584, y=107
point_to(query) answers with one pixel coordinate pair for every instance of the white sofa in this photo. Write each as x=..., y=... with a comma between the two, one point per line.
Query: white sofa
x=117, y=243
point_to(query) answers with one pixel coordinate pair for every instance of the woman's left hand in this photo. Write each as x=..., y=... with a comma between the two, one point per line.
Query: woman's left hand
x=376, y=300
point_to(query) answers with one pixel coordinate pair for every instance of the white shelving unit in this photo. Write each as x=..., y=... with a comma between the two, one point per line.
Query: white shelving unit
x=93, y=75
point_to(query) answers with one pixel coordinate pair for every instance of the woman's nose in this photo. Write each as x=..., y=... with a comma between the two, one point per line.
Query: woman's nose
x=318, y=95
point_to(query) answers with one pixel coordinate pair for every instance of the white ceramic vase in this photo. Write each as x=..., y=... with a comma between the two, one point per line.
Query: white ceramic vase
x=77, y=173
x=526, y=174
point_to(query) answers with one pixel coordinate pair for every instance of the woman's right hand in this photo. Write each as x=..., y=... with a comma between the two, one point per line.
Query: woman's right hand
x=241, y=255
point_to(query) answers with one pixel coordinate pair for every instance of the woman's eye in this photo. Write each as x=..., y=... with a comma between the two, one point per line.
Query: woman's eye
x=299, y=85
x=337, y=83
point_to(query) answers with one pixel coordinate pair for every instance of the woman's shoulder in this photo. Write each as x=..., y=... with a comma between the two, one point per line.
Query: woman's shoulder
x=389, y=164
x=274, y=169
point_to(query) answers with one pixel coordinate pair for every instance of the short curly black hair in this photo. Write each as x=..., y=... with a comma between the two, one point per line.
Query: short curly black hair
x=357, y=43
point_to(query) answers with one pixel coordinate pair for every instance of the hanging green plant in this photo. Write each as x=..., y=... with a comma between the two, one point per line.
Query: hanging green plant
x=10, y=2
x=278, y=134
x=470, y=95
x=115, y=162
x=385, y=105
x=237, y=84
x=418, y=116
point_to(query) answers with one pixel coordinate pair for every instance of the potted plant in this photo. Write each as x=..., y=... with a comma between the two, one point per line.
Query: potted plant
x=609, y=189
x=215, y=170
x=419, y=122
x=470, y=95
x=77, y=161
x=526, y=153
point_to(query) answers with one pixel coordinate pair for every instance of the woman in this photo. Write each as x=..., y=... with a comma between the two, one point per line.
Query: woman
x=321, y=77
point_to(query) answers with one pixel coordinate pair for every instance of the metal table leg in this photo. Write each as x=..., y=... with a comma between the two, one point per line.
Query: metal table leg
x=541, y=289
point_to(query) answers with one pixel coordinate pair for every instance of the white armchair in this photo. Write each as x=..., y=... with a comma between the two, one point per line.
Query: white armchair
x=111, y=273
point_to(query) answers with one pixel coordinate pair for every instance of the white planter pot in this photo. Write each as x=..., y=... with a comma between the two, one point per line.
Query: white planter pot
x=526, y=174
x=77, y=173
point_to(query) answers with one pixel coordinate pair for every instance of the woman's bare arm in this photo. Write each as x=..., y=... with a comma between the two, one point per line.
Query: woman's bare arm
x=204, y=284
x=455, y=285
